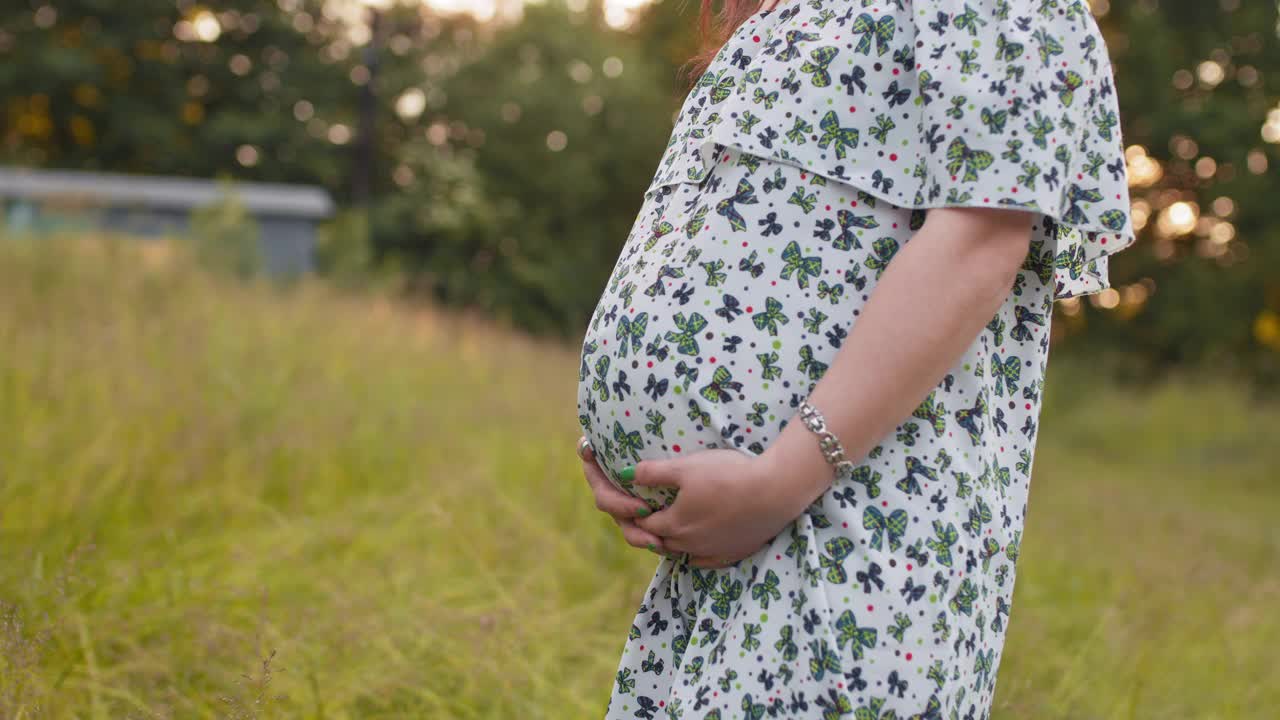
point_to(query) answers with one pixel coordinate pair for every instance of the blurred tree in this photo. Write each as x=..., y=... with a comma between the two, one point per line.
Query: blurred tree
x=225, y=237
x=510, y=160
x=544, y=123
x=174, y=88
x=1199, y=85
x=564, y=120
x=668, y=31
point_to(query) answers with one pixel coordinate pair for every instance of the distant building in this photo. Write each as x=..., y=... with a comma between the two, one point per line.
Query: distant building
x=151, y=205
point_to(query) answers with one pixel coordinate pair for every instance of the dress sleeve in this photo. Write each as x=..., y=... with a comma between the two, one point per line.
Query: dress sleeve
x=929, y=104
x=1018, y=109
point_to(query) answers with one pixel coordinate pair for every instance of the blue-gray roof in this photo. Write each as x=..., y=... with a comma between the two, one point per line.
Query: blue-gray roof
x=158, y=191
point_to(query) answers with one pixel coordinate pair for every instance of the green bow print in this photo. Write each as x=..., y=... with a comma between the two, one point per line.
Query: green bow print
x=895, y=525
x=959, y=154
x=932, y=412
x=1047, y=46
x=767, y=589
x=848, y=630
x=725, y=596
x=819, y=60
x=686, y=340
x=804, y=267
x=632, y=329
x=962, y=601
x=885, y=248
x=864, y=475
x=600, y=383
x=843, y=138
x=745, y=194
x=809, y=365
x=824, y=659
x=1007, y=372
x=838, y=548
x=881, y=31
x=629, y=443
x=945, y=537
x=721, y=383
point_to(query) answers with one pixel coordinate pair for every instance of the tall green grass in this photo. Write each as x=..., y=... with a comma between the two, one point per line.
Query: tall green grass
x=223, y=500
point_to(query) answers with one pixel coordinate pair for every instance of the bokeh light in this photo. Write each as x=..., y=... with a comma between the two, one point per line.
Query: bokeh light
x=205, y=26
x=247, y=155
x=1143, y=170
x=339, y=134
x=1177, y=219
x=411, y=103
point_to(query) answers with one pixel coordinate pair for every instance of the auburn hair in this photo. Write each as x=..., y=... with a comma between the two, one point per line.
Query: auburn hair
x=714, y=28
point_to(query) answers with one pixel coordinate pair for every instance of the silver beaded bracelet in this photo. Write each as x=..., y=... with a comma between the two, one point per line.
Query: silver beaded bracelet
x=832, y=450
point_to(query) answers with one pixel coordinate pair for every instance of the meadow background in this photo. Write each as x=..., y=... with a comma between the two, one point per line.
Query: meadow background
x=222, y=500
x=353, y=493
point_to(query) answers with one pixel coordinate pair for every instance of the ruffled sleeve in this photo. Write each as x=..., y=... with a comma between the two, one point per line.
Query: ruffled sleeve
x=927, y=104
x=1018, y=109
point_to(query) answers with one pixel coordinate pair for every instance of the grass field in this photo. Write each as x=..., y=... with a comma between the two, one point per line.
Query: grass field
x=254, y=502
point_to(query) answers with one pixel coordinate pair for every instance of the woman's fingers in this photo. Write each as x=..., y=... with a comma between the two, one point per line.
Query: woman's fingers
x=673, y=545
x=622, y=507
x=610, y=499
x=710, y=563
x=714, y=561
x=637, y=537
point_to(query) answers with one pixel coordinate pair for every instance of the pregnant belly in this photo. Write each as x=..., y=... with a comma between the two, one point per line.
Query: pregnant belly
x=698, y=381
x=727, y=303
x=667, y=370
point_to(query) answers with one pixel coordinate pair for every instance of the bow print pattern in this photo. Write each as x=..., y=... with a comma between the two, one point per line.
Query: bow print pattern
x=995, y=103
x=774, y=215
x=932, y=540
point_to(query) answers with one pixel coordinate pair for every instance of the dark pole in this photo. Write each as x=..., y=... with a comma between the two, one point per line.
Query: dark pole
x=368, y=115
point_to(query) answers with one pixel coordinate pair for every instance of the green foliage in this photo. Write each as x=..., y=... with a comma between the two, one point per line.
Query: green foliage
x=105, y=85
x=344, y=251
x=225, y=239
x=1208, y=298
x=452, y=240
x=472, y=204
x=534, y=235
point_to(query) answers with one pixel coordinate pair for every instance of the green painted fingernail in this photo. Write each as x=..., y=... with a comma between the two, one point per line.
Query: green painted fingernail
x=628, y=473
x=643, y=512
x=653, y=547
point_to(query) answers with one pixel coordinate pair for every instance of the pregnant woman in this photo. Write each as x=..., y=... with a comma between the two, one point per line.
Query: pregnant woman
x=814, y=377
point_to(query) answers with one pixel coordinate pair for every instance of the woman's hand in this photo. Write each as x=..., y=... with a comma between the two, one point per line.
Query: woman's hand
x=768, y=5
x=623, y=508
x=729, y=506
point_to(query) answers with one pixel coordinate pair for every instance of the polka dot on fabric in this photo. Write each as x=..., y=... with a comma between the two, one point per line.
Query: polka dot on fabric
x=770, y=220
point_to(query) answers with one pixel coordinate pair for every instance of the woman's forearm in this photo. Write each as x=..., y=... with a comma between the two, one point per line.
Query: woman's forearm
x=937, y=294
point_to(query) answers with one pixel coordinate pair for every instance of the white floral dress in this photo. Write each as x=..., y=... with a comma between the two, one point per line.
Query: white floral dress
x=804, y=158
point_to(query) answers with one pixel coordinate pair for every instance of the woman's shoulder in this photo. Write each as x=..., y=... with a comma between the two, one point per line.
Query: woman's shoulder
x=859, y=86
x=931, y=103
